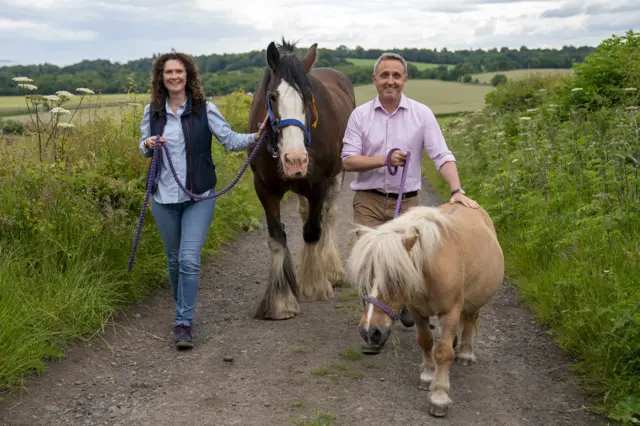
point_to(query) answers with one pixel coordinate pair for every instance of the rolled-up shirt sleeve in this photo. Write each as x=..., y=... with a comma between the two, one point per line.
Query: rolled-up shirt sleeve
x=230, y=140
x=145, y=132
x=352, y=141
x=434, y=142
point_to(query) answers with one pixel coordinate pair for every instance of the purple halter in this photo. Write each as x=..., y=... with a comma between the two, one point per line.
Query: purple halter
x=385, y=308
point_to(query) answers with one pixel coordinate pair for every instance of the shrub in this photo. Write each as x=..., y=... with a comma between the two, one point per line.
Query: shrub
x=498, y=79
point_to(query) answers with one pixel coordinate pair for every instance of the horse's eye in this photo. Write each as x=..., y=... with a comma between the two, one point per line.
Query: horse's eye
x=272, y=97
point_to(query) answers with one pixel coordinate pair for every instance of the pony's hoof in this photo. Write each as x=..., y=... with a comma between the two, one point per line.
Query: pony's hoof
x=466, y=360
x=438, y=410
x=439, y=404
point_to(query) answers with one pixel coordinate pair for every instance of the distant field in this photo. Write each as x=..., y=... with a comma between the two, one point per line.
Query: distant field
x=82, y=116
x=17, y=102
x=441, y=96
x=516, y=74
x=369, y=63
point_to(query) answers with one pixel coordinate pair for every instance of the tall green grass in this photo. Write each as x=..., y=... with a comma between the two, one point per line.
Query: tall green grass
x=555, y=162
x=67, y=222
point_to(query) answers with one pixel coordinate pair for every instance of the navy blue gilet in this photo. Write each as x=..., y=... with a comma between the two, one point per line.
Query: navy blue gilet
x=201, y=172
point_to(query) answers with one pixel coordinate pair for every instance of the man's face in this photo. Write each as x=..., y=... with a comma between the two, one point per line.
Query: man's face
x=390, y=79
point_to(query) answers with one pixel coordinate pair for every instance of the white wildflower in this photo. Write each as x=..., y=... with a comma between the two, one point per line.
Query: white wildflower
x=85, y=91
x=53, y=98
x=576, y=89
x=532, y=109
x=22, y=80
x=64, y=94
x=66, y=125
x=629, y=89
x=525, y=118
x=500, y=134
x=542, y=90
x=27, y=86
x=60, y=111
x=515, y=160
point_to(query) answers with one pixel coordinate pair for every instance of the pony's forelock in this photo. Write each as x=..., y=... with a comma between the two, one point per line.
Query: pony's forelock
x=381, y=253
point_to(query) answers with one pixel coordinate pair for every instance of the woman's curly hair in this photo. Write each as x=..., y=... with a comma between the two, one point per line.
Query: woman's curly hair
x=159, y=93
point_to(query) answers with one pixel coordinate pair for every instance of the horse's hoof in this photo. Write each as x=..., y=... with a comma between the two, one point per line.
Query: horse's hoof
x=370, y=349
x=437, y=410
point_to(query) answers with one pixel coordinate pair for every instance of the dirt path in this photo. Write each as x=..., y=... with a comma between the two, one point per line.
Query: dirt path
x=284, y=371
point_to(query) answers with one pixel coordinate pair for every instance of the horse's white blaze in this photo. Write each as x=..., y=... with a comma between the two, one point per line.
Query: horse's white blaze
x=290, y=105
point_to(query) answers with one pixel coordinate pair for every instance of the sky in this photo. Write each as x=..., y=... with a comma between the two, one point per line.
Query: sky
x=67, y=31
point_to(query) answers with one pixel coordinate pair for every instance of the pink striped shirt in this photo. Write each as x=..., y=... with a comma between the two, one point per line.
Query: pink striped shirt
x=412, y=127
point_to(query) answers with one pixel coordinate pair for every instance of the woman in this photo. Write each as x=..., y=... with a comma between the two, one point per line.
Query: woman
x=185, y=120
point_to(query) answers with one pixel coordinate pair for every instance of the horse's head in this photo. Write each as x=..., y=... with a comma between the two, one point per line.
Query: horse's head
x=290, y=104
x=380, y=265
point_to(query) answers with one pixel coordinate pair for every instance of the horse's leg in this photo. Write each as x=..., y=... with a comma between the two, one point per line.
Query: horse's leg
x=311, y=275
x=328, y=245
x=425, y=340
x=279, y=301
x=439, y=397
x=465, y=355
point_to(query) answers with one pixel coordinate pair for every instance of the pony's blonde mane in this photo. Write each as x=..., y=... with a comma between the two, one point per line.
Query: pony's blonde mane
x=379, y=259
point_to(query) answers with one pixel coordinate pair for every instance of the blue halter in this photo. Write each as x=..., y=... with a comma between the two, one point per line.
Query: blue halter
x=276, y=124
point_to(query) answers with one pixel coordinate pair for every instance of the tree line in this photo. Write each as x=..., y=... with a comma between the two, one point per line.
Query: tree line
x=223, y=73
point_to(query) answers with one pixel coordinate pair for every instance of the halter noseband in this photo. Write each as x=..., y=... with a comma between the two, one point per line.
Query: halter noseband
x=276, y=124
x=385, y=308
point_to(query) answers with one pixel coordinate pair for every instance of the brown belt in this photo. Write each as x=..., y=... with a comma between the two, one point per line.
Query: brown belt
x=391, y=194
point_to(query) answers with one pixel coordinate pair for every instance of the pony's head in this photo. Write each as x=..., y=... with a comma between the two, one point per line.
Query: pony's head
x=381, y=266
x=290, y=105
x=388, y=265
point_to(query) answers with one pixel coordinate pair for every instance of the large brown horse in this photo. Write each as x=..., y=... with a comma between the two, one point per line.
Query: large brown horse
x=308, y=111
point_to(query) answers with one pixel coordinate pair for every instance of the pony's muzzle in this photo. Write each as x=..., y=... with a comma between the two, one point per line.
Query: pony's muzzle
x=374, y=335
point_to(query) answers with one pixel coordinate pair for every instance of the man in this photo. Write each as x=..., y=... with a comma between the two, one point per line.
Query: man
x=392, y=120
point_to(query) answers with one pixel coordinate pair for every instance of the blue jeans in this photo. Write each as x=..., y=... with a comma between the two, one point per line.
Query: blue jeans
x=183, y=228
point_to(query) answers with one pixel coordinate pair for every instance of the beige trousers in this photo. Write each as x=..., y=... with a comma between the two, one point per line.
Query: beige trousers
x=372, y=210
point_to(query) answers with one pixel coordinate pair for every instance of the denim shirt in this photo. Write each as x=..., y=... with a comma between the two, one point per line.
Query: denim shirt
x=168, y=191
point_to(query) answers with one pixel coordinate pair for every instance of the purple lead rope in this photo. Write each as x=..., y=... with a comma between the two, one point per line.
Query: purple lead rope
x=393, y=171
x=153, y=177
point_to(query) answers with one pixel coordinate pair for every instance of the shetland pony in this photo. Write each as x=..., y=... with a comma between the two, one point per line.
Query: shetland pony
x=443, y=261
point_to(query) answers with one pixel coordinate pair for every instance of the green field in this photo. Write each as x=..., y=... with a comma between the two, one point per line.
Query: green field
x=517, y=74
x=369, y=63
x=441, y=96
x=17, y=102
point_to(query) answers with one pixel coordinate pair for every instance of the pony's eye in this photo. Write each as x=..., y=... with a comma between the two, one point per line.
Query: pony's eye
x=272, y=97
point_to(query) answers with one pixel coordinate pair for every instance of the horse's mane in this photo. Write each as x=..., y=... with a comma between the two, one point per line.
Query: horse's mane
x=381, y=252
x=290, y=70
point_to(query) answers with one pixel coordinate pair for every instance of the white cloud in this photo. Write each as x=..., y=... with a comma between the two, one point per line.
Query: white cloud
x=119, y=30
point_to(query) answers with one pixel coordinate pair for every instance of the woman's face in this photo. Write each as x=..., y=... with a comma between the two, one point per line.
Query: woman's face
x=174, y=76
